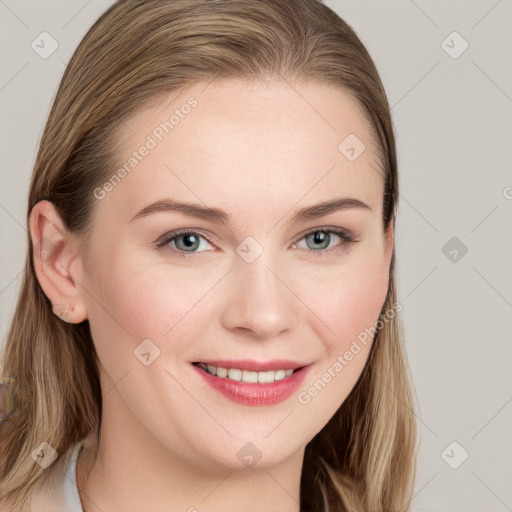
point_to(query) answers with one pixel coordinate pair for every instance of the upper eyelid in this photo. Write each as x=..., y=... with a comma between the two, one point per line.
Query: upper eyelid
x=328, y=229
x=171, y=235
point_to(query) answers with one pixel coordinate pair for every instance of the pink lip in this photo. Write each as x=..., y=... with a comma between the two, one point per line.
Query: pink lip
x=255, y=394
x=255, y=366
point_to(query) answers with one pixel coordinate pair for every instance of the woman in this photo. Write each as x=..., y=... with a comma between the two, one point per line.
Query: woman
x=208, y=316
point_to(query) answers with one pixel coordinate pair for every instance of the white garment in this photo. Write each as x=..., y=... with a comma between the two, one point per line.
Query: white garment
x=61, y=492
x=69, y=485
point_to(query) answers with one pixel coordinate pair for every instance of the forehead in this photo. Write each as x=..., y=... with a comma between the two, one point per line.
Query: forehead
x=253, y=144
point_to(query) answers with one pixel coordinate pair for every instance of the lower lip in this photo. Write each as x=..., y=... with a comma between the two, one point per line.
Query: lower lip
x=255, y=394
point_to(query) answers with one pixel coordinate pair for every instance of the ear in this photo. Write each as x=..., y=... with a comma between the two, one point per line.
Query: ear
x=56, y=252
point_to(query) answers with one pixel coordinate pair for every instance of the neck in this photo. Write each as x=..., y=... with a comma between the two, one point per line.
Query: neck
x=129, y=471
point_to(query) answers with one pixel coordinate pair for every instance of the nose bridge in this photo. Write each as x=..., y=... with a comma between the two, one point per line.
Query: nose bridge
x=258, y=279
x=258, y=300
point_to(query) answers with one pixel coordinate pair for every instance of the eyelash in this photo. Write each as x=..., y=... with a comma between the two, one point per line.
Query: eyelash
x=342, y=233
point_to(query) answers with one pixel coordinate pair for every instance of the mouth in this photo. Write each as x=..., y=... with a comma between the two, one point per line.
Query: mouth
x=251, y=382
x=240, y=372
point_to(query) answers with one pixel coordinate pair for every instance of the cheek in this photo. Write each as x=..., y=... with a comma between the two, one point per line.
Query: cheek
x=348, y=300
x=131, y=304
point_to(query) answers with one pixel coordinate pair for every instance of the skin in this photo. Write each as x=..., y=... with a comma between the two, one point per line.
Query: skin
x=260, y=152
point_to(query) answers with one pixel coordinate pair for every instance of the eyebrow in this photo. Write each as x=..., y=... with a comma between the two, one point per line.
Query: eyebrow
x=222, y=217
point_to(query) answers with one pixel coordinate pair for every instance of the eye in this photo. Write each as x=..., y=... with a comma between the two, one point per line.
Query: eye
x=319, y=239
x=183, y=241
x=186, y=242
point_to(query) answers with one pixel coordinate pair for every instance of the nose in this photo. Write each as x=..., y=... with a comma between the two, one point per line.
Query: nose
x=258, y=300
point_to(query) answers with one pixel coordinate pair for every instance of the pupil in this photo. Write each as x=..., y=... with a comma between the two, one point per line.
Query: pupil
x=321, y=238
x=189, y=240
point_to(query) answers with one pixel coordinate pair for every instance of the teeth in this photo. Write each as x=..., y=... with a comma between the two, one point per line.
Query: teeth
x=234, y=374
x=221, y=372
x=246, y=375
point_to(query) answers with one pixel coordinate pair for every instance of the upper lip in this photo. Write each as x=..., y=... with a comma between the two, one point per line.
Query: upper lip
x=254, y=365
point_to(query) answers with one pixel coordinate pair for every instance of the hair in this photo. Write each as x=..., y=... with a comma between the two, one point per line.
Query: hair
x=137, y=51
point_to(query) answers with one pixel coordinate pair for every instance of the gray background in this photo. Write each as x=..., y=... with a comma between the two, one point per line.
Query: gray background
x=453, y=117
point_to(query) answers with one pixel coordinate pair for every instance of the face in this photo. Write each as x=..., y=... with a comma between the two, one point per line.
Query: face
x=251, y=272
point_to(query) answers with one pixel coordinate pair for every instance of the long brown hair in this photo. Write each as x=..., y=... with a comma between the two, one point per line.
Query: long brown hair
x=364, y=458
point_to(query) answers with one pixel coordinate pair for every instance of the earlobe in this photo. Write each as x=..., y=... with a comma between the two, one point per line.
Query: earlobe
x=54, y=251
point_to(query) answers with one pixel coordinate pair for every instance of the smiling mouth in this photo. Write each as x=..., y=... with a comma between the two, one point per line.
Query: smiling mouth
x=250, y=377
